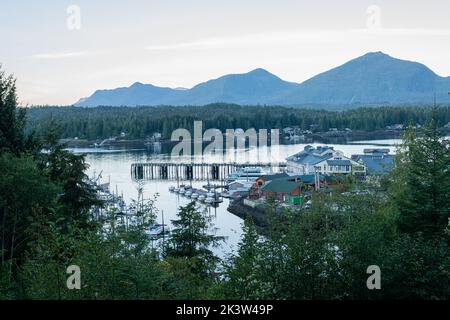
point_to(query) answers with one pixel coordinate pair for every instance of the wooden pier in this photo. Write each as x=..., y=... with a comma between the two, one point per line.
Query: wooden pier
x=193, y=171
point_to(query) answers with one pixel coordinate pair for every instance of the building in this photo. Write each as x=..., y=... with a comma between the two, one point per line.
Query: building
x=282, y=189
x=292, y=189
x=324, y=160
x=255, y=190
x=237, y=189
x=269, y=177
x=376, y=161
x=397, y=126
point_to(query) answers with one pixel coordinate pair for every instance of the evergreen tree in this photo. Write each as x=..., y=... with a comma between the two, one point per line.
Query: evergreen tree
x=422, y=185
x=12, y=118
x=68, y=170
x=243, y=271
x=190, y=239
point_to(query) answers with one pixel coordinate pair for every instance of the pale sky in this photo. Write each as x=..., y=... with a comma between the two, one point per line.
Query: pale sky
x=179, y=43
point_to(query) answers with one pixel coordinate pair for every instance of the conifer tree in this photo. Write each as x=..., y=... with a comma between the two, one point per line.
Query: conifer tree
x=422, y=187
x=190, y=239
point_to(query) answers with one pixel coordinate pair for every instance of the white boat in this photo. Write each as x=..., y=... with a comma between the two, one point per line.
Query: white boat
x=103, y=196
x=247, y=173
x=176, y=190
x=201, y=197
x=155, y=231
x=210, y=200
x=188, y=193
x=194, y=195
x=297, y=137
x=182, y=191
x=171, y=188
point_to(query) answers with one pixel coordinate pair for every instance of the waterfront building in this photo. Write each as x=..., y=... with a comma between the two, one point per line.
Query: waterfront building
x=376, y=161
x=282, y=189
x=324, y=160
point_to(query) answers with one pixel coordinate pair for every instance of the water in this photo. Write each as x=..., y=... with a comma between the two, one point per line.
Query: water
x=115, y=165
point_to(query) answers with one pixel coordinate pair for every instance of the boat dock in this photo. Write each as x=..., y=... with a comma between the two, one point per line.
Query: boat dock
x=209, y=196
x=194, y=171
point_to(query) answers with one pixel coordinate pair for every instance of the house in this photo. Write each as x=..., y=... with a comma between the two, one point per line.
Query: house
x=240, y=184
x=255, y=191
x=282, y=189
x=292, y=189
x=397, y=126
x=239, y=188
x=288, y=130
x=309, y=181
x=377, y=161
x=269, y=177
x=324, y=160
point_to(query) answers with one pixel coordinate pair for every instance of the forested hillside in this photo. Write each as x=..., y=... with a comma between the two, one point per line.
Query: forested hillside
x=104, y=122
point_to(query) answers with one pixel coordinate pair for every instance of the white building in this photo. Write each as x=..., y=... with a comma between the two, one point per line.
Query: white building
x=324, y=160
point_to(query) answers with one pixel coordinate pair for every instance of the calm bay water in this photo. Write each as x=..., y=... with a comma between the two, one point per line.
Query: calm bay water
x=114, y=166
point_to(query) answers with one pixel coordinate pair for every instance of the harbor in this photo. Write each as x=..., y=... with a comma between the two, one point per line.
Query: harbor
x=209, y=196
x=118, y=165
x=114, y=210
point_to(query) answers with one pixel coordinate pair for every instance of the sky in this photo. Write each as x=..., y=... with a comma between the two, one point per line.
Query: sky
x=61, y=51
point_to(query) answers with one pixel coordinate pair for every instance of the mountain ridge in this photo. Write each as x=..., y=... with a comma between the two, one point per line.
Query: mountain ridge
x=374, y=78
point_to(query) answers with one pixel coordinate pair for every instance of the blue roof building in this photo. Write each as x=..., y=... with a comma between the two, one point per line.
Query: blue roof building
x=377, y=161
x=322, y=159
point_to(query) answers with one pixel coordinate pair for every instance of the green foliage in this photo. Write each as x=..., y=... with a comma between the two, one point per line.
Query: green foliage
x=190, y=239
x=140, y=122
x=416, y=268
x=12, y=119
x=421, y=187
x=242, y=271
x=67, y=170
x=24, y=193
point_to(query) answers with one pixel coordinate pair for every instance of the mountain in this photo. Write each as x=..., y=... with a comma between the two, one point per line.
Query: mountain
x=375, y=78
x=255, y=87
x=137, y=94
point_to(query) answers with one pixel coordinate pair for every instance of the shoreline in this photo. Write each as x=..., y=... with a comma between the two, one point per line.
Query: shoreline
x=319, y=137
